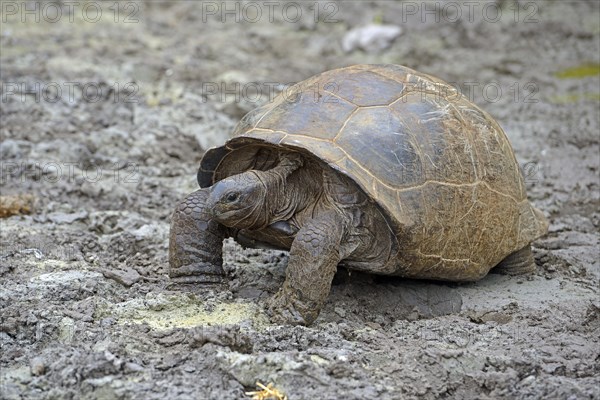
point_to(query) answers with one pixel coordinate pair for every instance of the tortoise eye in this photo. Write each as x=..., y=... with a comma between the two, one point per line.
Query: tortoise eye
x=232, y=197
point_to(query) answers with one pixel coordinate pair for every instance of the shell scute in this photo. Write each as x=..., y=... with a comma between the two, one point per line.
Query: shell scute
x=386, y=152
x=308, y=113
x=364, y=88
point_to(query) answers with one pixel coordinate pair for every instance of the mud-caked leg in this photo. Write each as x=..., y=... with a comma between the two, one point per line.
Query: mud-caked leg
x=520, y=262
x=314, y=256
x=196, y=242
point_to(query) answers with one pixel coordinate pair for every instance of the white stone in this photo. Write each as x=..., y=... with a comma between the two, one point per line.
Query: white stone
x=370, y=38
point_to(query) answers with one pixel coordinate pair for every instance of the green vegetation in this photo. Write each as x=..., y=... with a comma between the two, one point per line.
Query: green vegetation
x=580, y=71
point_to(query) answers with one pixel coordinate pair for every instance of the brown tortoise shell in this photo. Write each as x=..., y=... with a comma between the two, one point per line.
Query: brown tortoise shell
x=441, y=168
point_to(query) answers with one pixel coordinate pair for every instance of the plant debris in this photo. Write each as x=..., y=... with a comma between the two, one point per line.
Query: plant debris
x=16, y=205
x=267, y=393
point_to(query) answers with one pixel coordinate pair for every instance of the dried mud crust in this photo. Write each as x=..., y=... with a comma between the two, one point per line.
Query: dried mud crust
x=87, y=310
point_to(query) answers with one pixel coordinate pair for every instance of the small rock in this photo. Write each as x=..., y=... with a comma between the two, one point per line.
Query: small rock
x=189, y=368
x=340, y=311
x=125, y=277
x=528, y=380
x=107, y=322
x=133, y=367
x=64, y=218
x=413, y=316
x=145, y=232
x=37, y=365
x=370, y=38
x=66, y=330
x=373, y=325
x=319, y=360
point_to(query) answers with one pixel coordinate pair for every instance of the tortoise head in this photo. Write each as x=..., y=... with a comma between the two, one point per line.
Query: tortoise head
x=238, y=201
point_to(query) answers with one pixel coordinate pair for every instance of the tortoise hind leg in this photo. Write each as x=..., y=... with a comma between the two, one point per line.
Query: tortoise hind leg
x=518, y=263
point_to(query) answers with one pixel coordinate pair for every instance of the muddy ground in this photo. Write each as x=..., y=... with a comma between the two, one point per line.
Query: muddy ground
x=104, y=121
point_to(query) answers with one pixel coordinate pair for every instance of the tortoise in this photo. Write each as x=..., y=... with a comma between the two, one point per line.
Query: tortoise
x=378, y=168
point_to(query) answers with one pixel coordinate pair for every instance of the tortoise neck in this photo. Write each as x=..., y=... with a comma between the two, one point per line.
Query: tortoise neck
x=289, y=188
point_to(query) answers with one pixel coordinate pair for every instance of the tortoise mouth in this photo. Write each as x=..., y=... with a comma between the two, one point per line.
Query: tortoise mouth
x=224, y=215
x=237, y=217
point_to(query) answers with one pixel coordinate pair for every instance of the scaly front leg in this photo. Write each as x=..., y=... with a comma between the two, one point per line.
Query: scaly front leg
x=314, y=256
x=196, y=242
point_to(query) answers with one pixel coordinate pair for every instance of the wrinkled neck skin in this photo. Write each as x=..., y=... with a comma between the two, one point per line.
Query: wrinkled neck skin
x=285, y=189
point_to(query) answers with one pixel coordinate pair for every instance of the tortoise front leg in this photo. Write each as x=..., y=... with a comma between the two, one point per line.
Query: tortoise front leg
x=314, y=256
x=196, y=242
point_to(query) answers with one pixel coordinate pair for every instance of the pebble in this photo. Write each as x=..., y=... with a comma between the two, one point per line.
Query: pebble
x=133, y=367
x=189, y=368
x=370, y=38
x=64, y=218
x=125, y=277
x=146, y=232
x=37, y=365
x=107, y=322
x=528, y=380
x=340, y=311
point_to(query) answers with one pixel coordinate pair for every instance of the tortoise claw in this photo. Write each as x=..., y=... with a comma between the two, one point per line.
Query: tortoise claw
x=195, y=279
x=189, y=276
x=288, y=309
